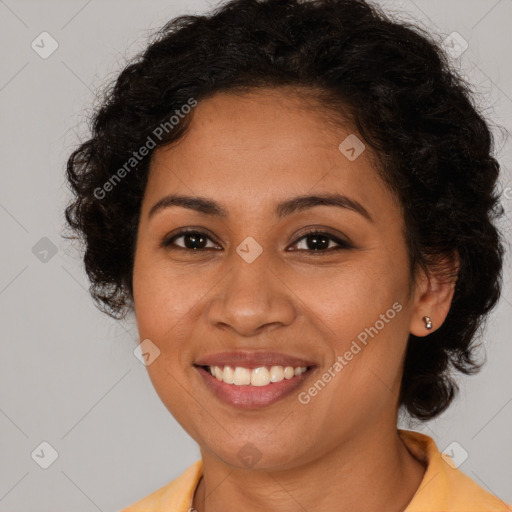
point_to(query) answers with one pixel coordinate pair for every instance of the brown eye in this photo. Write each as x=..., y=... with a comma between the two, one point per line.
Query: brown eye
x=319, y=241
x=192, y=240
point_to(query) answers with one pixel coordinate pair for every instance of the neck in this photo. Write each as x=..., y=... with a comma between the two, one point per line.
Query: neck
x=373, y=471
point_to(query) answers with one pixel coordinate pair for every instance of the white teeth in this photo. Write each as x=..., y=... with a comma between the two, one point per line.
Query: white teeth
x=276, y=374
x=260, y=376
x=242, y=376
x=228, y=375
x=289, y=372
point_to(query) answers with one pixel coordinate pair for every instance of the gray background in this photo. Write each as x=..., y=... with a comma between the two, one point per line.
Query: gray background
x=68, y=373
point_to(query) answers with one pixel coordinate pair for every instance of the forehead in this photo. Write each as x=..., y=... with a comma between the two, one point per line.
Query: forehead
x=263, y=146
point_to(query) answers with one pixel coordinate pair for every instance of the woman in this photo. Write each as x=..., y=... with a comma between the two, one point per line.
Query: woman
x=297, y=201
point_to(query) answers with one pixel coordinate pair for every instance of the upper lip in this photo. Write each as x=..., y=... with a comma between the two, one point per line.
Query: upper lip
x=248, y=359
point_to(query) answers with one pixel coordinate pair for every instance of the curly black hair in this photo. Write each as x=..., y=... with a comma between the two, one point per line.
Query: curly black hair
x=396, y=86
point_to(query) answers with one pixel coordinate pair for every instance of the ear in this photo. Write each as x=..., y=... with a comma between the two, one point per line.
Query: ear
x=433, y=294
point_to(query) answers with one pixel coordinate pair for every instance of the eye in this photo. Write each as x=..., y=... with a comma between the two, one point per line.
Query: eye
x=320, y=241
x=314, y=241
x=193, y=240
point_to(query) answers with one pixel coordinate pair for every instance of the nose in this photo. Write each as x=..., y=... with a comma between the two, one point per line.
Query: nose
x=252, y=298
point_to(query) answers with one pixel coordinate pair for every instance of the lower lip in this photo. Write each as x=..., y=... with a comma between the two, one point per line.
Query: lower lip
x=251, y=397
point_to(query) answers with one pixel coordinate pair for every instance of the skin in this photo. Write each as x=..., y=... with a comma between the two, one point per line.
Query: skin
x=341, y=451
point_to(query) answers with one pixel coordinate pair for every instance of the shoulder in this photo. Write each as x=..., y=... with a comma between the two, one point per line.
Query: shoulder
x=445, y=487
x=174, y=496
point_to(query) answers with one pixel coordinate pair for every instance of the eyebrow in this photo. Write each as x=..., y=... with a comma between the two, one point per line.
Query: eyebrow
x=283, y=209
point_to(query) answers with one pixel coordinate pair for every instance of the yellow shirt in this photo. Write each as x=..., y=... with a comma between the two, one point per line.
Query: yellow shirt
x=443, y=488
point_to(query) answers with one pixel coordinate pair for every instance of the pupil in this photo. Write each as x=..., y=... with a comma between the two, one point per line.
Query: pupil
x=194, y=240
x=318, y=242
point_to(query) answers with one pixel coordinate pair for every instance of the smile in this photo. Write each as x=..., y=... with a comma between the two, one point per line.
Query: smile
x=261, y=376
x=253, y=388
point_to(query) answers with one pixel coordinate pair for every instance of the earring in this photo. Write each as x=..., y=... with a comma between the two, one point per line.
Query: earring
x=428, y=322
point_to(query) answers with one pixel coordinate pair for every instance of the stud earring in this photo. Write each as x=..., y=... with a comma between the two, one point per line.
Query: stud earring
x=428, y=322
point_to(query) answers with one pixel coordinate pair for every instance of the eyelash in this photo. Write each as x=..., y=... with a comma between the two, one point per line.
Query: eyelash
x=342, y=244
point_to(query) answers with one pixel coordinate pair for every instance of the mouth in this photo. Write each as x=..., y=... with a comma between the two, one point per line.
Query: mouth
x=259, y=376
x=252, y=381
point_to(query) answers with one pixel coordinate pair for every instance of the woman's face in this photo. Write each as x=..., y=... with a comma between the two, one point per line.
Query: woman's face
x=255, y=293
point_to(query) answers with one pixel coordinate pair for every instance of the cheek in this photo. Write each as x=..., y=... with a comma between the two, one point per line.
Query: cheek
x=346, y=299
x=164, y=299
x=162, y=304
x=361, y=310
